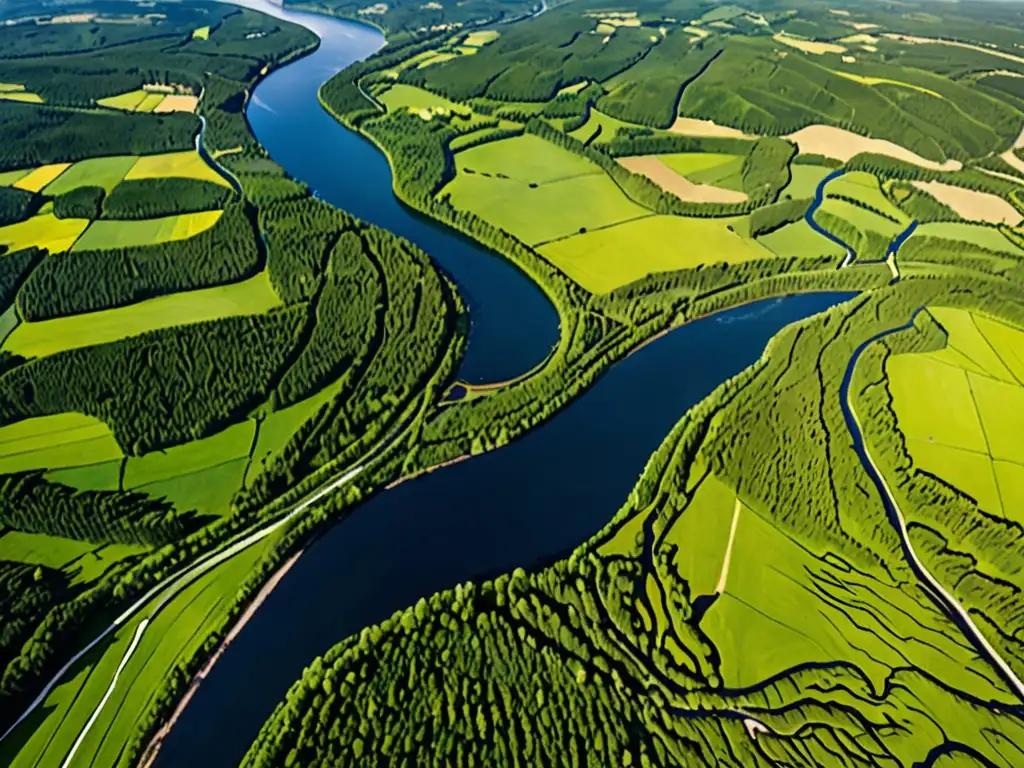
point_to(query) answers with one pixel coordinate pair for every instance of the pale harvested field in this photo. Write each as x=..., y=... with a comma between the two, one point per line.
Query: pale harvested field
x=1010, y=158
x=860, y=25
x=177, y=103
x=690, y=126
x=861, y=38
x=808, y=46
x=654, y=169
x=841, y=144
x=971, y=204
x=914, y=39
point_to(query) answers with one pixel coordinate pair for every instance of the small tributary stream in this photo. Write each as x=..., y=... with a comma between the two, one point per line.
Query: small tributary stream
x=519, y=506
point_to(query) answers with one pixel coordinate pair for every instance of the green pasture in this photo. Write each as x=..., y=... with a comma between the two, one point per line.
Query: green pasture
x=800, y=241
x=966, y=337
x=54, y=442
x=126, y=234
x=982, y=235
x=785, y=605
x=804, y=181
x=8, y=178
x=43, y=231
x=102, y=476
x=105, y=172
x=82, y=561
x=545, y=212
x=862, y=219
x=1001, y=407
x=8, y=322
x=206, y=491
x=228, y=444
x=968, y=471
x=1010, y=477
x=702, y=535
x=603, y=260
x=933, y=402
x=46, y=337
x=865, y=188
x=1006, y=341
x=527, y=158
x=401, y=96
x=609, y=127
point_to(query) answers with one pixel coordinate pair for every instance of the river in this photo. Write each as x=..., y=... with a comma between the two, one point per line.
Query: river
x=521, y=505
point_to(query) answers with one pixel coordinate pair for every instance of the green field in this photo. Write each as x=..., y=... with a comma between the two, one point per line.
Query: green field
x=981, y=235
x=125, y=234
x=49, y=442
x=716, y=169
x=249, y=297
x=403, y=96
x=799, y=240
x=528, y=159
x=609, y=127
x=804, y=181
x=604, y=260
x=187, y=165
x=105, y=172
x=962, y=408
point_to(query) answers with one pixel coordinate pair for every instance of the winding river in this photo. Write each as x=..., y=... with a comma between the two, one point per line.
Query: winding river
x=518, y=506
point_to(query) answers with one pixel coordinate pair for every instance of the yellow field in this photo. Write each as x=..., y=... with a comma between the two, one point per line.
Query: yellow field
x=52, y=442
x=8, y=87
x=190, y=224
x=43, y=231
x=865, y=80
x=603, y=260
x=177, y=103
x=202, y=33
x=250, y=297
x=35, y=180
x=481, y=38
x=126, y=101
x=187, y=165
x=29, y=98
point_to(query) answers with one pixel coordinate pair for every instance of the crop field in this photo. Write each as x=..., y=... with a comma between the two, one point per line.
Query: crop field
x=37, y=179
x=177, y=102
x=37, y=339
x=7, y=178
x=841, y=144
x=51, y=442
x=187, y=165
x=22, y=96
x=105, y=172
x=981, y=235
x=44, y=231
x=129, y=101
x=972, y=204
x=528, y=159
x=410, y=97
x=799, y=240
x=606, y=259
x=804, y=181
x=962, y=408
x=607, y=124
x=123, y=234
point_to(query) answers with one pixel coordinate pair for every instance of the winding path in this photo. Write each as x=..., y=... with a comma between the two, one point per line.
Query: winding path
x=946, y=601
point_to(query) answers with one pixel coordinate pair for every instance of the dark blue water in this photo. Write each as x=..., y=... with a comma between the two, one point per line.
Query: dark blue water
x=901, y=238
x=513, y=325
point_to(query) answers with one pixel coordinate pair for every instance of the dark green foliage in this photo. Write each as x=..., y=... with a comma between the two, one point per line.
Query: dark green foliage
x=26, y=594
x=66, y=284
x=772, y=217
x=151, y=198
x=920, y=205
x=649, y=92
x=32, y=504
x=36, y=135
x=14, y=268
x=195, y=380
x=15, y=204
x=627, y=143
x=766, y=169
x=79, y=203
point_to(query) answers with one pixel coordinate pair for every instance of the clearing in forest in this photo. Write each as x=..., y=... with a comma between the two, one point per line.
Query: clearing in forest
x=187, y=164
x=840, y=144
x=961, y=409
x=972, y=204
x=35, y=180
x=808, y=46
x=690, y=126
x=51, y=442
x=126, y=234
x=665, y=177
x=46, y=337
x=105, y=172
x=603, y=260
x=43, y=231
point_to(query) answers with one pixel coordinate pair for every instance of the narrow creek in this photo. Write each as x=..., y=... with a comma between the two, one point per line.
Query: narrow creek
x=520, y=506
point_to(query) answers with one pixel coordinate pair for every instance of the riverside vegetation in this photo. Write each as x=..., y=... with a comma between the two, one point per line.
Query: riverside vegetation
x=247, y=343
